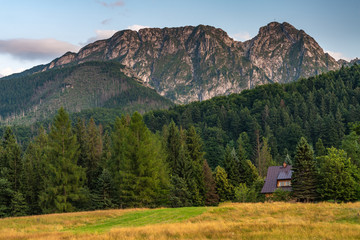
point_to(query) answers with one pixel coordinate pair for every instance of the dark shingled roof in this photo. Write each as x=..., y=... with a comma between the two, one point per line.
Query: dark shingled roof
x=273, y=174
x=283, y=175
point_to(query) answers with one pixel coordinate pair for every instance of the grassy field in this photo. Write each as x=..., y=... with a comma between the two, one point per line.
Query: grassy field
x=228, y=221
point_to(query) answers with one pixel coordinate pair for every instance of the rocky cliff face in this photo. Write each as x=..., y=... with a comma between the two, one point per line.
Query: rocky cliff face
x=196, y=63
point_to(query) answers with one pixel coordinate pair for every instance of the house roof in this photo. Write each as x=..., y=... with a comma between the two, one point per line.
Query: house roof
x=283, y=175
x=275, y=173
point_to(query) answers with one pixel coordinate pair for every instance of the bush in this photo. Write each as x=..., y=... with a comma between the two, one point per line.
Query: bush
x=280, y=196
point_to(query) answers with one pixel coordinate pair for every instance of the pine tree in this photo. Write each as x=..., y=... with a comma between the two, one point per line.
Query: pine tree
x=320, y=149
x=102, y=194
x=34, y=172
x=211, y=197
x=264, y=158
x=304, y=177
x=172, y=145
x=94, y=153
x=247, y=171
x=6, y=194
x=11, y=160
x=180, y=195
x=82, y=137
x=351, y=144
x=232, y=166
x=196, y=157
x=223, y=187
x=65, y=178
x=142, y=173
x=336, y=177
x=117, y=157
x=19, y=206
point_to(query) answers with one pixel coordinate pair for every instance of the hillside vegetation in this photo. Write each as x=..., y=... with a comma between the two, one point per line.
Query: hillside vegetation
x=228, y=221
x=35, y=97
x=316, y=108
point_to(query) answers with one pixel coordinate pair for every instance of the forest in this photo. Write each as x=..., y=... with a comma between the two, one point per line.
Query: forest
x=198, y=154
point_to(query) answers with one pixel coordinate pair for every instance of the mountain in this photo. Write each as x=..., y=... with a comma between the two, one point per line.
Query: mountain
x=190, y=63
x=29, y=98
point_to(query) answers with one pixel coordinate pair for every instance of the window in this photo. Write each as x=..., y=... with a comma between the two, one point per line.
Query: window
x=284, y=183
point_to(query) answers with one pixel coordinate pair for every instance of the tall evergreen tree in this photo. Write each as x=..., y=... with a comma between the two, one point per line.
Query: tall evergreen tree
x=94, y=153
x=304, y=177
x=102, y=193
x=19, y=206
x=338, y=177
x=211, y=196
x=196, y=158
x=11, y=160
x=232, y=166
x=82, y=137
x=34, y=172
x=172, y=146
x=65, y=178
x=143, y=172
x=351, y=144
x=320, y=149
x=223, y=187
x=6, y=195
x=264, y=158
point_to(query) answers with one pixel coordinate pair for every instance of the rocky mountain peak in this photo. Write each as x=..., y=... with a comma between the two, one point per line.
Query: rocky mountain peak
x=199, y=62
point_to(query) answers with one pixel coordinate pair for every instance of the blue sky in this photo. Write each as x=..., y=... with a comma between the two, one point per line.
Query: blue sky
x=36, y=31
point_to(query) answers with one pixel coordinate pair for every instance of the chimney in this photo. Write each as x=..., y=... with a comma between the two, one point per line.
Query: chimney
x=284, y=164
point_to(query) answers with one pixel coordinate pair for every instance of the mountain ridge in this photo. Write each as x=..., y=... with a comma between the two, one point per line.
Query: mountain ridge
x=194, y=63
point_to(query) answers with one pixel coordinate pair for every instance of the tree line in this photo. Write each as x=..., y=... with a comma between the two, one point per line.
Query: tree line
x=73, y=168
x=193, y=155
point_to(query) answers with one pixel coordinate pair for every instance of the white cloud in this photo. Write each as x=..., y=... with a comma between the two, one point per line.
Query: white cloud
x=241, y=36
x=337, y=55
x=136, y=27
x=8, y=71
x=31, y=49
x=100, y=35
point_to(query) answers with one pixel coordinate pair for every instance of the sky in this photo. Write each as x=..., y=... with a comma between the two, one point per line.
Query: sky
x=34, y=32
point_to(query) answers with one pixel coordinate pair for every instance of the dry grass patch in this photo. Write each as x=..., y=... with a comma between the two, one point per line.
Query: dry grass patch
x=228, y=221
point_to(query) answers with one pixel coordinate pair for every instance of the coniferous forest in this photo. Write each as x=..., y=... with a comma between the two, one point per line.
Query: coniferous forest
x=198, y=154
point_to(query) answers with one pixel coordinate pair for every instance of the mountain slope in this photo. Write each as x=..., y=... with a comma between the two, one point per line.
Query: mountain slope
x=84, y=86
x=196, y=63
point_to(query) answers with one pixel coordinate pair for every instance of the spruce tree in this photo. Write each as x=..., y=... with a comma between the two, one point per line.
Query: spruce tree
x=102, y=193
x=196, y=158
x=304, y=177
x=94, y=153
x=34, y=172
x=247, y=171
x=142, y=171
x=11, y=162
x=6, y=195
x=172, y=145
x=65, y=179
x=211, y=196
x=320, y=149
x=232, y=166
x=264, y=158
x=19, y=206
x=223, y=187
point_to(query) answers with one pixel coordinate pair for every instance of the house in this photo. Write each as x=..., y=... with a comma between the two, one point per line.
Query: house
x=277, y=177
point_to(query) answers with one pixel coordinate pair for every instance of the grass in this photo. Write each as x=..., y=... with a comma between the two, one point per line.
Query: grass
x=145, y=217
x=228, y=221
